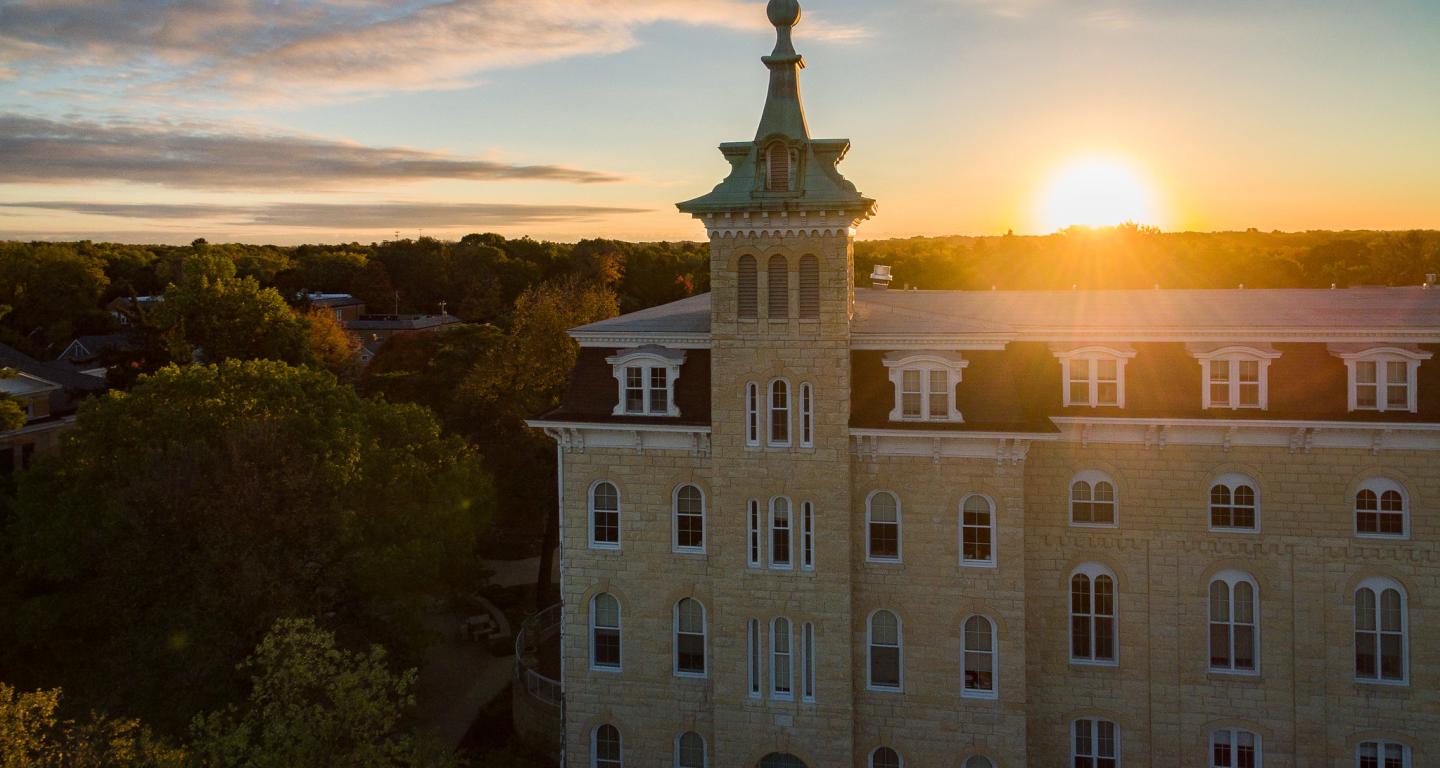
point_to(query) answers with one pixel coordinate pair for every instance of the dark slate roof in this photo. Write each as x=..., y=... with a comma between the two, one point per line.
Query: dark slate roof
x=75, y=385
x=95, y=346
x=690, y=315
x=401, y=322
x=593, y=392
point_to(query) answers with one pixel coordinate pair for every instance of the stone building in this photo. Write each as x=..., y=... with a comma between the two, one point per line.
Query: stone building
x=805, y=524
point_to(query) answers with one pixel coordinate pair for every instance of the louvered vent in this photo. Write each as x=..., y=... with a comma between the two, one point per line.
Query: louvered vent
x=777, y=160
x=809, y=288
x=749, y=299
x=779, y=289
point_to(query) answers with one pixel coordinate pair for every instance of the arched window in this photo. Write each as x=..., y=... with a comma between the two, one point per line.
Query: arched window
x=807, y=536
x=807, y=416
x=690, y=750
x=886, y=652
x=1092, y=615
x=605, y=748
x=778, y=760
x=979, y=761
x=807, y=663
x=752, y=415
x=779, y=271
x=1096, y=744
x=809, y=288
x=1382, y=754
x=689, y=520
x=1234, y=623
x=978, y=662
x=1092, y=500
x=781, y=541
x=977, y=531
x=885, y=757
x=782, y=672
x=747, y=283
x=753, y=527
x=1381, y=629
x=604, y=516
x=689, y=638
x=882, y=523
x=779, y=167
x=605, y=632
x=754, y=667
x=780, y=413
x=1234, y=506
x=1234, y=748
x=1382, y=509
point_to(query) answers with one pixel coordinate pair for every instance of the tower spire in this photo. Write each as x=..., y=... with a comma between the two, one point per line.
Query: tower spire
x=784, y=113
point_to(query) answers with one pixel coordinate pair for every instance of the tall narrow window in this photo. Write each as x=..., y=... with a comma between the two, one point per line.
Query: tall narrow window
x=690, y=751
x=752, y=414
x=809, y=288
x=753, y=668
x=885, y=651
x=1381, y=509
x=807, y=536
x=605, y=748
x=1382, y=754
x=885, y=757
x=1092, y=500
x=780, y=413
x=748, y=303
x=1097, y=744
x=689, y=520
x=1234, y=748
x=1234, y=635
x=689, y=638
x=605, y=632
x=979, y=761
x=782, y=674
x=1233, y=504
x=1092, y=615
x=754, y=534
x=778, y=167
x=604, y=516
x=780, y=539
x=807, y=416
x=977, y=531
x=1380, y=632
x=807, y=651
x=882, y=521
x=977, y=660
x=779, y=288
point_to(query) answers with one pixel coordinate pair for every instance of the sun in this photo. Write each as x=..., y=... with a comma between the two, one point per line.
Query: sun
x=1096, y=192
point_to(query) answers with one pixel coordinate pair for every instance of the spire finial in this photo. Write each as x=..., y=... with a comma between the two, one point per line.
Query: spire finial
x=784, y=14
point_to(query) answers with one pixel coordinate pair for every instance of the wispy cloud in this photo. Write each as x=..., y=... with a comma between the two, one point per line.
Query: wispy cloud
x=198, y=156
x=363, y=216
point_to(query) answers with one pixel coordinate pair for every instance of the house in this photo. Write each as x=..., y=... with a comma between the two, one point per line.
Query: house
x=50, y=395
x=372, y=331
x=346, y=307
x=93, y=355
x=806, y=522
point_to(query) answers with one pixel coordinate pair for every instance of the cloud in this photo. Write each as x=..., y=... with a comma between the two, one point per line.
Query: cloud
x=201, y=156
x=360, y=216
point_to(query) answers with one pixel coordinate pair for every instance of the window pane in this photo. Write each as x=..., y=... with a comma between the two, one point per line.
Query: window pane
x=1105, y=370
x=885, y=667
x=692, y=751
x=1365, y=372
x=1107, y=394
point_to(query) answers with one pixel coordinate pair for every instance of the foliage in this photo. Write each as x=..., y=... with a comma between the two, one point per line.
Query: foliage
x=33, y=735
x=182, y=518
x=12, y=414
x=214, y=316
x=329, y=345
x=53, y=293
x=314, y=705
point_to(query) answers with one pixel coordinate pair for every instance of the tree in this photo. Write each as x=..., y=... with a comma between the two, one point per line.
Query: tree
x=12, y=414
x=182, y=518
x=53, y=293
x=330, y=346
x=219, y=317
x=314, y=705
x=32, y=735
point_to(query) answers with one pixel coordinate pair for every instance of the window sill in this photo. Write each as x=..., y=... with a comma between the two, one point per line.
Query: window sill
x=604, y=547
x=1096, y=526
x=695, y=553
x=884, y=562
x=1088, y=664
x=1382, y=685
x=606, y=670
x=980, y=695
x=1383, y=536
x=1240, y=531
x=983, y=565
x=691, y=675
x=884, y=689
x=1233, y=676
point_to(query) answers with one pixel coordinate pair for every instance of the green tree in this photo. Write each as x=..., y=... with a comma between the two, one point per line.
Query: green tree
x=182, y=518
x=33, y=735
x=214, y=316
x=53, y=293
x=314, y=705
x=329, y=345
x=12, y=414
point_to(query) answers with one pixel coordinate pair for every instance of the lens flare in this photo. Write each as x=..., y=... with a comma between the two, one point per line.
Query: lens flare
x=1096, y=192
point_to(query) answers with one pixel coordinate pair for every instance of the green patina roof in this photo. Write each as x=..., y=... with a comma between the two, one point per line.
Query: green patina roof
x=819, y=183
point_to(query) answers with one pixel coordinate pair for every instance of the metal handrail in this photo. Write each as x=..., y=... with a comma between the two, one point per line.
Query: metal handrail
x=534, y=632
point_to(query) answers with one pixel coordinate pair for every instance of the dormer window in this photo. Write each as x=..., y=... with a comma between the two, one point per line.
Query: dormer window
x=925, y=385
x=1382, y=379
x=781, y=160
x=1094, y=376
x=1234, y=377
x=647, y=381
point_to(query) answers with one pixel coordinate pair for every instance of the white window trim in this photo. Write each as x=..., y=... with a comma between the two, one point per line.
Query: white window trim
x=870, y=761
x=1095, y=737
x=675, y=522
x=675, y=640
x=1378, y=486
x=1232, y=481
x=1235, y=355
x=899, y=530
x=755, y=536
x=619, y=517
x=1094, y=353
x=1230, y=579
x=1092, y=571
x=994, y=692
x=619, y=631
x=789, y=565
x=952, y=364
x=1093, y=477
x=754, y=660
x=807, y=536
x=775, y=694
x=753, y=428
x=1380, y=356
x=648, y=359
x=770, y=415
x=994, y=561
x=1381, y=744
x=1234, y=746
x=1378, y=585
x=704, y=749
x=807, y=415
x=594, y=744
x=808, y=677
x=870, y=648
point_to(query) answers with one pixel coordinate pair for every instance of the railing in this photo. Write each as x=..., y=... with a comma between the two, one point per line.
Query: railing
x=537, y=634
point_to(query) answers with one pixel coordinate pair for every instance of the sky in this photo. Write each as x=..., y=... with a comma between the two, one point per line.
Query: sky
x=287, y=121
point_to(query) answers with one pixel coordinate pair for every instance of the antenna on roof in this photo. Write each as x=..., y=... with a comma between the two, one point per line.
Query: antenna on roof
x=880, y=278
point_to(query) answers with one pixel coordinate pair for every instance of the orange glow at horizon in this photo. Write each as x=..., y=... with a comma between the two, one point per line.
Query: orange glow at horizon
x=1096, y=191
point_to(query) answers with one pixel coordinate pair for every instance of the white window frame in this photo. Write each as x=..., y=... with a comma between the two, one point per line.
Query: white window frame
x=1380, y=745
x=951, y=364
x=1231, y=482
x=807, y=663
x=775, y=678
x=1379, y=585
x=807, y=536
x=1093, y=571
x=595, y=743
x=1093, y=724
x=754, y=659
x=648, y=359
x=870, y=653
x=619, y=516
x=704, y=640
x=807, y=415
x=1231, y=579
x=675, y=522
x=1232, y=736
x=994, y=654
x=1092, y=354
x=755, y=543
x=619, y=629
x=1381, y=356
x=753, y=427
x=1380, y=486
x=1093, y=477
x=704, y=749
x=993, y=528
x=789, y=564
x=1234, y=355
x=788, y=409
x=870, y=761
x=899, y=557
